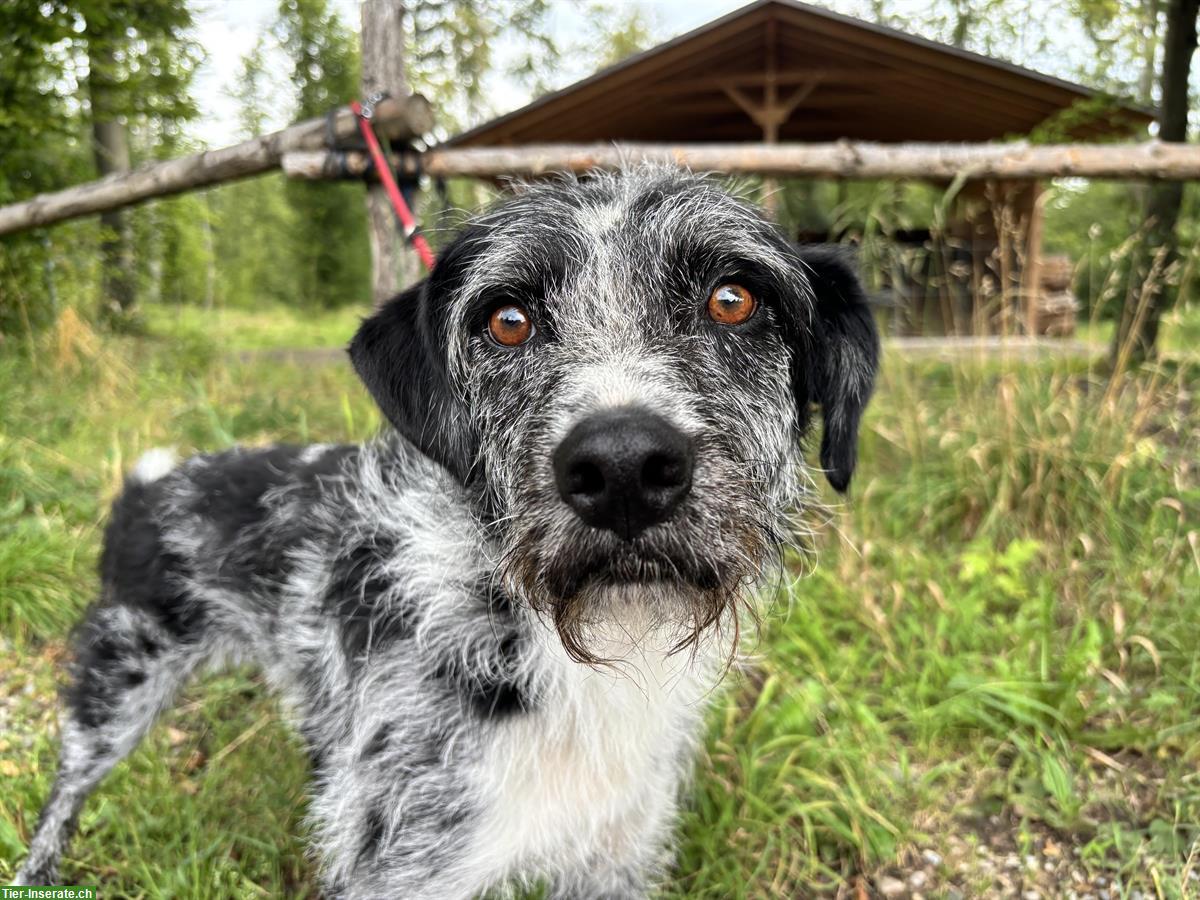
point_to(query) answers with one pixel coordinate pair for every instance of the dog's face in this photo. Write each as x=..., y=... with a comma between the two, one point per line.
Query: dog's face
x=622, y=368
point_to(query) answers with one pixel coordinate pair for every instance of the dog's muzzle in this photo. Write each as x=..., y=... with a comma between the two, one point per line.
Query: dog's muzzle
x=624, y=470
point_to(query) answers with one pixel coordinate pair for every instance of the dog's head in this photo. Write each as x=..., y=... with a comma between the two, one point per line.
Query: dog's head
x=623, y=368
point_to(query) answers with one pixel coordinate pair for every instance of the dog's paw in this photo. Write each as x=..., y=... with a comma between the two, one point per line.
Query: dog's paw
x=35, y=876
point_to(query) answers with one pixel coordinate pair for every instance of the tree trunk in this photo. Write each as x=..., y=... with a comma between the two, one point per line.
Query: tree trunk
x=110, y=144
x=1149, y=54
x=393, y=265
x=963, y=20
x=1147, y=76
x=1137, y=333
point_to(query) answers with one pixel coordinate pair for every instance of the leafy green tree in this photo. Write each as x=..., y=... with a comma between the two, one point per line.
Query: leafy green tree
x=86, y=87
x=139, y=68
x=966, y=14
x=994, y=27
x=1136, y=336
x=253, y=221
x=1126, y=37
x=328, y=227
x=40, y=148
x=616, y=32
x=330, y=246
x=249, y=88
x=451, y=51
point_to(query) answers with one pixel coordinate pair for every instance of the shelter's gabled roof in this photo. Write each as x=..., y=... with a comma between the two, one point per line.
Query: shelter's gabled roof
x=848, y=78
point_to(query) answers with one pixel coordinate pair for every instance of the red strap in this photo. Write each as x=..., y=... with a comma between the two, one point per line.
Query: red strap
x=393, y=191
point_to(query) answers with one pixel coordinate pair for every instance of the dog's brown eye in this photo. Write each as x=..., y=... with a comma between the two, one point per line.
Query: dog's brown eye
x=510, y=325
x=731, y=304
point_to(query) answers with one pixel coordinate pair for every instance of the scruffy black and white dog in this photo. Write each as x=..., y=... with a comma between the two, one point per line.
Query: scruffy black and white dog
x=498, y=628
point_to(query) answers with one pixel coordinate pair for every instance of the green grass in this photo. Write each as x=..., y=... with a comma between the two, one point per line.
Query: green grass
x=1179, y=334
x=266, y=327
x=998, y=642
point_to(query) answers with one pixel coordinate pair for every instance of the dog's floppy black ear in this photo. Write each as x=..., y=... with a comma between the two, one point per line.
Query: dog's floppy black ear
x=837, y=367
x=400, y=355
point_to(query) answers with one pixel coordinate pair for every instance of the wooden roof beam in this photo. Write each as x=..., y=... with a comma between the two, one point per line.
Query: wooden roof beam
x=772, y=113
x=772, y=32
x=721, y=104
x=925, y=79
x=596, y=94
x=637, y=123
x=998, y=75
x=831, y=76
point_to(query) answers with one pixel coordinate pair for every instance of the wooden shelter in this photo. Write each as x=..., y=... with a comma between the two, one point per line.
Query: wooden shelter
x=778, y=89
x=783, y=71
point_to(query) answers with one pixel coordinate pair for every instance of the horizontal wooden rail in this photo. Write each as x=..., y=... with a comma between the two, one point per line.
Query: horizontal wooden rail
x=301, y=152
x=843, y=159
x=397, y=118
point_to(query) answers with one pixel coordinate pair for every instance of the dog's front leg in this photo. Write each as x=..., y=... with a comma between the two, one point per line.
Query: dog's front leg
x=384, y=882
x=393, y=818
x=631, y=855
x=431, y=873
x=604, y=880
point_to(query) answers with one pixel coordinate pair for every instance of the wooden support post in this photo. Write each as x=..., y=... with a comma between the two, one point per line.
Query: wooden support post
x=772, y=113
x=769, y=120
x=1005, y=232
x=393, y=265
x=771, y=116
x=1031, y=272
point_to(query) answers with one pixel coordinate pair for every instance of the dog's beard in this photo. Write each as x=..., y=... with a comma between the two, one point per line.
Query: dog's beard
x=678, y=581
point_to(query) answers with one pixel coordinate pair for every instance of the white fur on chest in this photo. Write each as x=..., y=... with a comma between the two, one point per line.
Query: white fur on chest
x=596, y=768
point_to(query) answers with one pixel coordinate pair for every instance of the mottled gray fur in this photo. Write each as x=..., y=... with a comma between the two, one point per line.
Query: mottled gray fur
x=423, y=603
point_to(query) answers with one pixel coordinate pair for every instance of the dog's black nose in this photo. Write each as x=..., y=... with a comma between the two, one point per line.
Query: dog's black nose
x=624, y=470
